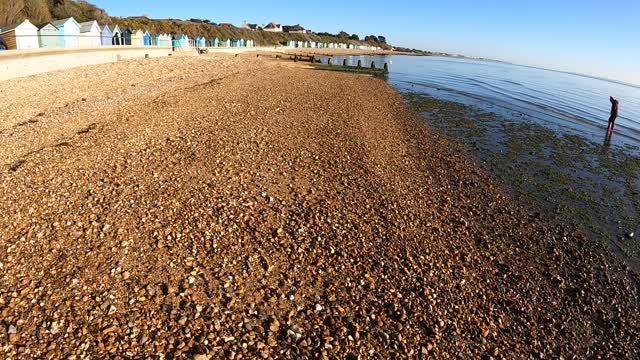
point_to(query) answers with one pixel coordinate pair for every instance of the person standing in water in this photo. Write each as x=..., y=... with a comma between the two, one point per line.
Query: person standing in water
x=614, y=114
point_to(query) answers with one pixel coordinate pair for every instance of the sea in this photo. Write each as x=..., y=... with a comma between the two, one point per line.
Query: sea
x=565, y=102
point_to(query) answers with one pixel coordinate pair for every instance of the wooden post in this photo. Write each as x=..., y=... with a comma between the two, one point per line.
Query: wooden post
x=386, y=68
x=330, y=61
x=373, y=64
x=295, y=58
x=344, y=62
x=359, y=63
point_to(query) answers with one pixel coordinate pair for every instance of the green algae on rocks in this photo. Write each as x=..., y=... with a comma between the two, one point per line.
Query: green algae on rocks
x=593, y=187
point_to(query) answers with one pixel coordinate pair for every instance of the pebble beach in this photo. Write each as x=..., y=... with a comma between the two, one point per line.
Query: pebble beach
x=236, y=207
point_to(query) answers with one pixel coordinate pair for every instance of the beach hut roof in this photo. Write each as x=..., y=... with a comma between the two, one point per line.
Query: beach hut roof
x=44, y=25
x=13, y=27
x=114, y=28
x=59, y=23
x=87, y=26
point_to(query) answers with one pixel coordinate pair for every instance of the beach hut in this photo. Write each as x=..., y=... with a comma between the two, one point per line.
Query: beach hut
x=154, y=40
x=90, y=34
x=137, y=38
x=166, y=40
x=201, y=42
x=21, y=36
x=216, y=42
x=48, y=36
x=126, y=37
x=106, y=36
x=228, y=43
x=146, y=38
x=116, y=35
x=180, y=41
x=69, y=30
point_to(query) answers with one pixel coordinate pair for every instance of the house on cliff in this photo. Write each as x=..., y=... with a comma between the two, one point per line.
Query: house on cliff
x=69, y=31
x=273, y=27
x=252, y=27
x=21, y=36
x=297, y=29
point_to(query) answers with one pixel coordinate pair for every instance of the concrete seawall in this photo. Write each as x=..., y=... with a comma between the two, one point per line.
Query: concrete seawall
x=16, y=64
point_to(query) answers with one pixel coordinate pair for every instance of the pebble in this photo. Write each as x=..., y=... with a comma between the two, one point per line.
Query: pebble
x=385, y=239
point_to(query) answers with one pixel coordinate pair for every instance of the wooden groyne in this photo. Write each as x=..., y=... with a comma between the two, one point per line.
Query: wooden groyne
x=361, y=68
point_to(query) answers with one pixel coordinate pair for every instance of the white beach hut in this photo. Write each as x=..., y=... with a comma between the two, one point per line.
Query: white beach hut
x=21, y=36
x=137, y=38
x=48, y=36
x=90, y=34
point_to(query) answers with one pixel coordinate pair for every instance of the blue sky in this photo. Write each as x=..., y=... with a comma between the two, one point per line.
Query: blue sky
x=588, y=36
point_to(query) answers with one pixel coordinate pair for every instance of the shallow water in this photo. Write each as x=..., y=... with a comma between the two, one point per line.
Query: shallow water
x=563, y=102
x=539, y=133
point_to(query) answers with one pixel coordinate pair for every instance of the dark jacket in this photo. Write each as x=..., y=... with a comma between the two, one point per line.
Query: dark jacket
x=3, y=45
x=614, y=107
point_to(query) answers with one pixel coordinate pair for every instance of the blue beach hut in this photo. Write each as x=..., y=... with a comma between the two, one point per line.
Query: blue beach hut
x=180, y=40
x=106, y=37
x=146, y=38
x=69, y=32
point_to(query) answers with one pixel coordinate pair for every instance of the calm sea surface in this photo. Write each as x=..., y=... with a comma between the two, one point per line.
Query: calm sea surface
x=564, y=102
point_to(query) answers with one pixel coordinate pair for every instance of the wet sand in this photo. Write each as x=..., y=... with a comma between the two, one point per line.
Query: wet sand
x=243, y=208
